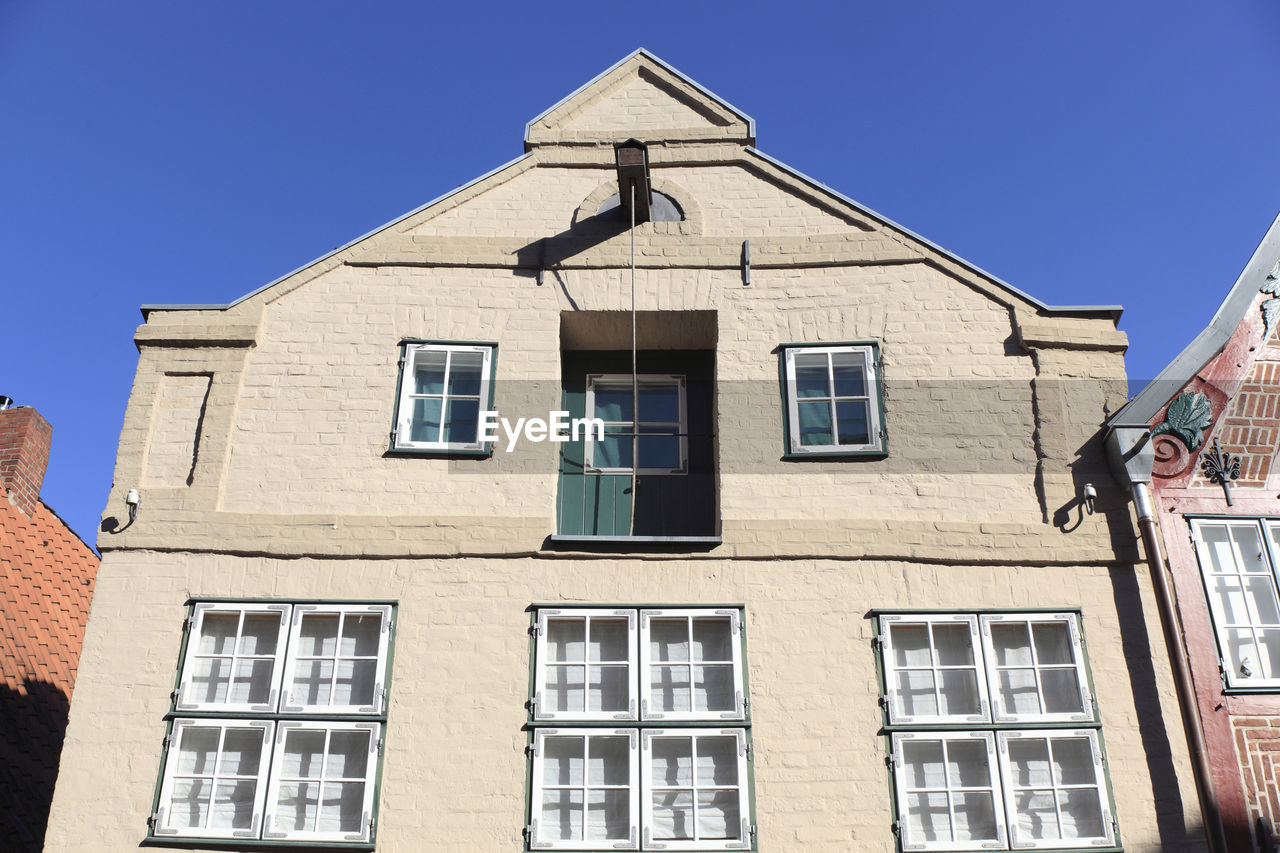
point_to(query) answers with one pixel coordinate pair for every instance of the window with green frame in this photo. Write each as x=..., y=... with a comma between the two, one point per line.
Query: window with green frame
x=995, y=741
x=443, y=390
x=640, y=737
x=833, y=400
x=275, y=734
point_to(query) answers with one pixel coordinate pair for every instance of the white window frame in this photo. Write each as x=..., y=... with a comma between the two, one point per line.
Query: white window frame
x=647, y=664
x=623, y=381
x=1107, y=839
x=300, y=612
x=901, y=791
x=999, y=727
x=185, y=701
x=1002, y=715
x=536, y=842
x=875, y=429
x=172, y=748
x=374, y=731
x=1222, y=629
x=407, y=396
x=643, y=727
x=540, y=709
x=265, y=717
x=649, y=787
x=891, y=669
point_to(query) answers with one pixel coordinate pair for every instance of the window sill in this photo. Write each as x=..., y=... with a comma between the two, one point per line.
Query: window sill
x=436, y=453
x=250, y=844
x=875, y=453
x=633, y=543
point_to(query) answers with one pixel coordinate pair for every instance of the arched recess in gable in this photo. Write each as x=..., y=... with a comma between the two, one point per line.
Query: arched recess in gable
x=690, y=225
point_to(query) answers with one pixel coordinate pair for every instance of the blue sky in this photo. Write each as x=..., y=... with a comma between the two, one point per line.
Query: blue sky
x=162, y=152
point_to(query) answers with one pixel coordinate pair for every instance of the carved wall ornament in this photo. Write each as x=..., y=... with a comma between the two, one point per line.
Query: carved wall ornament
x=1220, y=468
x=1271, y=284
x=1187, y=418
x=1271, y=308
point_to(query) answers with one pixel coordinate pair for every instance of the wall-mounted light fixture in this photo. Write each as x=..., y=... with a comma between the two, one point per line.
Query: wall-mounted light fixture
x=1088, y=494
x=132, y=500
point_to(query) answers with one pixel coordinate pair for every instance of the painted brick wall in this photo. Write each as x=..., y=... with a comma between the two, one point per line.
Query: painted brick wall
x=1251, y=426
x=1258, y=749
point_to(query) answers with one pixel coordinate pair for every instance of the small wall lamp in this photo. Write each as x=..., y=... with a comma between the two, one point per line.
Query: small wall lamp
x=1088, y=494
x=132, y=500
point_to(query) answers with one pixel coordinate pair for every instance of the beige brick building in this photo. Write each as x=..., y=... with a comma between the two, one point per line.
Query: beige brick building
x=833, y=587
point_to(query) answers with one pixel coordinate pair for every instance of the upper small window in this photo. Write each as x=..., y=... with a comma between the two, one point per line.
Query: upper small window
x=833, y=400
x=443, y=390
x=661, y=440
x=662, y=207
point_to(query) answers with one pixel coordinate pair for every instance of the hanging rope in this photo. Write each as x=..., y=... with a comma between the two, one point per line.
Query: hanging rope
x=635, y=376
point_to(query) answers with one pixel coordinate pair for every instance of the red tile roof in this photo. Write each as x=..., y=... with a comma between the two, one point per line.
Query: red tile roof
x=46, y=582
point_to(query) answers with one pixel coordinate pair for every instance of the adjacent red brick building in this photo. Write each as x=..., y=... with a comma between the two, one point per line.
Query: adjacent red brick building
x=46, y=582
x=1204, y=434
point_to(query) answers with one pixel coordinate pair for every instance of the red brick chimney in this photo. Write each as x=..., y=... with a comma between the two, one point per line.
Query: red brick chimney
x=24, y=455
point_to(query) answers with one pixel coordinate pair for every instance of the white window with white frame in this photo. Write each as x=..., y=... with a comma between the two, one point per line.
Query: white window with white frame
x=279, y=751
x=444, y=388
x=961, y=691
x=654, y=409
x=833, y=400
x=667, y=780
x=1238, y=560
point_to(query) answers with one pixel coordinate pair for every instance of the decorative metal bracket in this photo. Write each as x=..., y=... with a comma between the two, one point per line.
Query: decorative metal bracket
x=1221, y=468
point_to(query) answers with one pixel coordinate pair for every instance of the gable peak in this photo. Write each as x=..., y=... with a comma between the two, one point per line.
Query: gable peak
x=640, y=97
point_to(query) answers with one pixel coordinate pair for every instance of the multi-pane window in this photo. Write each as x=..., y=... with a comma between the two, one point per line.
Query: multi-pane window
x=833, y=399
x=1238, y=565
x=660, y=434
x=993, y=733
x=443, y=390
x=668, y=770
x=277, y=723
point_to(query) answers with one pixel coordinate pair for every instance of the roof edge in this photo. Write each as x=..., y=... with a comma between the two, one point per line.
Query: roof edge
x=148, y=308
x=640, y=51
x=1113, y=311
x=1205, y=346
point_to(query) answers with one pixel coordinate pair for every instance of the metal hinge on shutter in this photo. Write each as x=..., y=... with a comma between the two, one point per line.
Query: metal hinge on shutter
x=534, y=703
x=750, y=752
x=176, y=695
x=394, y=433
x=380, y=746
x=531, y=751
x=153, y=821
x=186, y=624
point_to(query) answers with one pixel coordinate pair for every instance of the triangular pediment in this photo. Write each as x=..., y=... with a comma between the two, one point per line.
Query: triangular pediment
x=641, y=97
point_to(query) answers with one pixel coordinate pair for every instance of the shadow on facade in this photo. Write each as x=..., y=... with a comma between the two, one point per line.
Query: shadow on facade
x=32, y=724
x=1136, y=651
